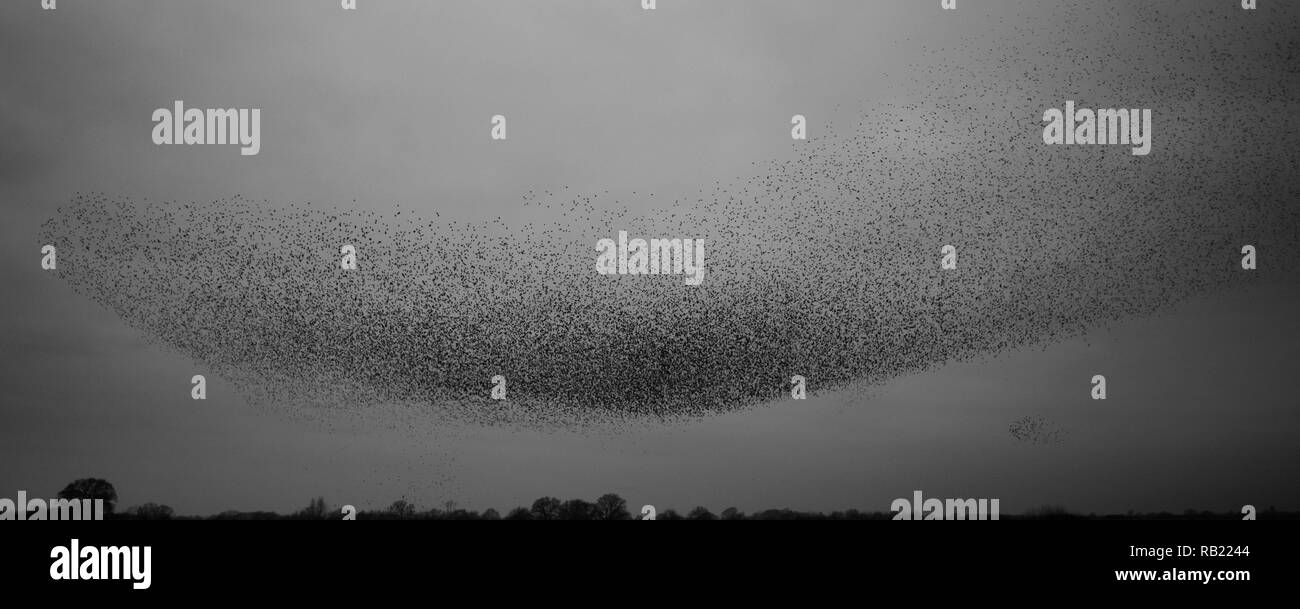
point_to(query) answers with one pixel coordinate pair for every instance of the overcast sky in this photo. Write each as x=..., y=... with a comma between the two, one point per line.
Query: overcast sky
x=389, y=105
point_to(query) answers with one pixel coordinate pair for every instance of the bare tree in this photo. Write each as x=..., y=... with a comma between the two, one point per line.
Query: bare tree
x=316, y=510
x=611, y=507
x=701, y=513
x=546, y=508
x=91, y=488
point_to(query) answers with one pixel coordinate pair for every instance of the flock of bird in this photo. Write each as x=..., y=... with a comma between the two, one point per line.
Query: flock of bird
x=825, y=265
x=1036, y=429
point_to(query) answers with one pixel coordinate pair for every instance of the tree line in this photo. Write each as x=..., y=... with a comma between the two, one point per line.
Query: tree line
x=607, y=507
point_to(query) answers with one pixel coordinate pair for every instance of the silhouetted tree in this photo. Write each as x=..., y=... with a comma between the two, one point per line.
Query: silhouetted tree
x=151, y=511
x=669, y=514
x=782, y=514
x=1050, y=512
x=546, y=508
x=577, y=509
x=701, y=513
x=491, y=514
x=402, y=509
x=611, y=507
x=519, y=513
x=91, y=488
x=316, y=510
x=732, y=513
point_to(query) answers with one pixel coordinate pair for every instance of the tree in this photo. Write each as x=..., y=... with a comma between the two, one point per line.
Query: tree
x=316, y=510
x=519, y=513
x=402, y=509
x=577, y=509
x=91, y=488
x=152, y=511
x=732, y=513
x=491, y=514
x=669, y=514
x=546, y=508
x=611, y=507
x=701, y=513
x=461, y=514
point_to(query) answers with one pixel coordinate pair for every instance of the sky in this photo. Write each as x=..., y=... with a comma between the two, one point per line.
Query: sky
x=389, y=106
